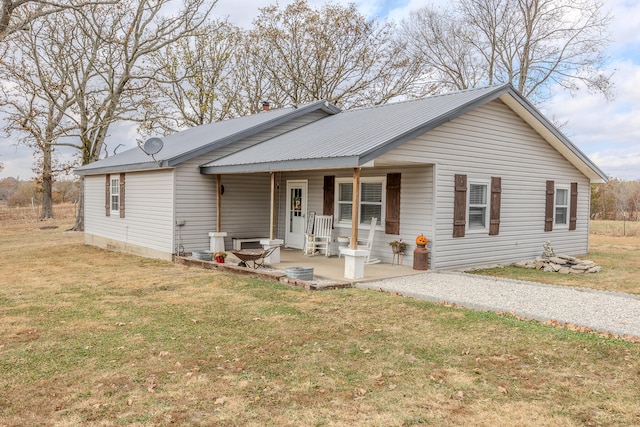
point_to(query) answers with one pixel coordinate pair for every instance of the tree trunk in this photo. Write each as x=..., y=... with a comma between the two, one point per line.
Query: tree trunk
x=79, y=224
x=47, y=183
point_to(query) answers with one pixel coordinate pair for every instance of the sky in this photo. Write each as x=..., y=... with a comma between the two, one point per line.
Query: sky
x=608, y=132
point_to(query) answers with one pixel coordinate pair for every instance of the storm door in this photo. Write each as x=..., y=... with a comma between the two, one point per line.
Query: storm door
x=296, y=213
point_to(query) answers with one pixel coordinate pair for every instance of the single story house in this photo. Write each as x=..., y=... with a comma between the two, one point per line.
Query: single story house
x=481, y=172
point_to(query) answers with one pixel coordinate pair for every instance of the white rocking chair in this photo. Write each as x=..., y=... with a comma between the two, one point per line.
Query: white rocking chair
x=321, y=238
x=368, y=244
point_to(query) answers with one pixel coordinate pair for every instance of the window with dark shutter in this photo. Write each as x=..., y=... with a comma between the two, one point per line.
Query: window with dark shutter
x=329, y=192
x=107, y=196
x=548, y=211
x=460, y=206
x=392, y=211
x=573, y=209
x=122, y=195
x=496, y=195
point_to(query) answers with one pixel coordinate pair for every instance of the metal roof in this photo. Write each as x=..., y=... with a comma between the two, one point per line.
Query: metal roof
x=193, y=142
x=354, y=138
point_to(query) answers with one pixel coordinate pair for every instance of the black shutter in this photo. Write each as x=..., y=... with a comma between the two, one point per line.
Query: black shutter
x=107, y=196
x=573, y=216
x=392, y=211
x=329, y=192
x=121, y=195
x=548, y=211
x=460, y=206
x=496, y=194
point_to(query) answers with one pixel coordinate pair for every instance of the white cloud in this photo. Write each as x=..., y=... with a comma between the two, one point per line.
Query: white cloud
x=608, y=132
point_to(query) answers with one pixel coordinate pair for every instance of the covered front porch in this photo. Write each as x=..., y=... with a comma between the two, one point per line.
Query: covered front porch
x=327, y=271
x=279, y=207
x=332, y=268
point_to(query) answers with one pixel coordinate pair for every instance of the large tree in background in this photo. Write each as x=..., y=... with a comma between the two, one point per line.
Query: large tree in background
x=331, y=53
x=101, y=59
x=195, y=80
x=533, y=44
x=36, y=96
x=16, y=15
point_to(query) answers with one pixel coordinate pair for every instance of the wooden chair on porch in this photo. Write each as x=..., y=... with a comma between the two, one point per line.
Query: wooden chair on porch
x=368, y=244
x=321, y=238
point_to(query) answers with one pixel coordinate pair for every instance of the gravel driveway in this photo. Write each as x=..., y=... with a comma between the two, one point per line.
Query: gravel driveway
x=604, y=311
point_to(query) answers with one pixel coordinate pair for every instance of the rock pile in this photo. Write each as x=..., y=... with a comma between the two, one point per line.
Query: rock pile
x=564, y=264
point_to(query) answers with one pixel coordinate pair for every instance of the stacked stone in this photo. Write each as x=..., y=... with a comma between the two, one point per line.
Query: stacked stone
x=563, y=264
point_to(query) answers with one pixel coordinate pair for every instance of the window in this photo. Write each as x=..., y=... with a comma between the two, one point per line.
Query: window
x=562, y=206
x=115, y=194
x=371, y=200
x=477, y=206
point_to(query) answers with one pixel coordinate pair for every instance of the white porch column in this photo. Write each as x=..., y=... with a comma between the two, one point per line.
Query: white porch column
x=354, y=258
x=216, y=241
x=274, y=258
x=216, y=238
x=354, y=263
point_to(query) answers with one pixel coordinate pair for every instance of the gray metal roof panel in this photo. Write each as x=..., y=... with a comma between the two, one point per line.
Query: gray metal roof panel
x=198, y=140
x=358, y=132
x=367, y=133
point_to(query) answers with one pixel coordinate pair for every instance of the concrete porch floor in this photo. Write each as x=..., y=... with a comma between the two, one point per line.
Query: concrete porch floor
x=332, y=268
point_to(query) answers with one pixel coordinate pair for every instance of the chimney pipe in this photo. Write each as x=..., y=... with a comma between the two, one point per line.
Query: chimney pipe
x=265, y=105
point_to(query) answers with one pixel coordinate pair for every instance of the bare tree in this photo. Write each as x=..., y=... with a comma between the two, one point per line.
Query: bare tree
x=331, y=53
x=16, y=15
x=195, y=79
x=113, y=47
x=36, y=97
x=532, y=44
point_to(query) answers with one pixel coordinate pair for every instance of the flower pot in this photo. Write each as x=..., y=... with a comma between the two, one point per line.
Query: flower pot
x=220, y=260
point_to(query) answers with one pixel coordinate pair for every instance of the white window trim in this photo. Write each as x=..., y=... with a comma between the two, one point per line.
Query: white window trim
x=566, y=188
x=365, y=225
x=487, y=206
x=112, y=194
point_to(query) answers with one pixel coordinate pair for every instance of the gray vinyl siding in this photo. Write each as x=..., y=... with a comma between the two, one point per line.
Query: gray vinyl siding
x=493, y=141
x=148, y=210
x=416, y=201
x=245, y=202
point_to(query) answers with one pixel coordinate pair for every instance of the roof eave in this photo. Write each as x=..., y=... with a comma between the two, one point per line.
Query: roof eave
x=287, y=165
x=138, y=167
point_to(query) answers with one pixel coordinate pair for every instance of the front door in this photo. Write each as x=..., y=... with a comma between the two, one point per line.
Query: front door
x=296, y=213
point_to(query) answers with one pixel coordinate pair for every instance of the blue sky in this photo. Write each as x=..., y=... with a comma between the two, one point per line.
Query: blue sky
x=607, y=132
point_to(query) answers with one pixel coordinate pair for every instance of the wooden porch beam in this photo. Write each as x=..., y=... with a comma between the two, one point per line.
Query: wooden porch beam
x=355, y=212
x=218, y=202
x=272, y=213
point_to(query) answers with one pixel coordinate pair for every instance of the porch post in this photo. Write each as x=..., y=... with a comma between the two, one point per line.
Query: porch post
x=353, y=257
x=216, y=239
x=274, y=258
x=355, y=208
x=272, y=214
x=218, y=202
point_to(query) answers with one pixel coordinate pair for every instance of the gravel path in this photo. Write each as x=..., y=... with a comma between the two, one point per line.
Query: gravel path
x=604, y=311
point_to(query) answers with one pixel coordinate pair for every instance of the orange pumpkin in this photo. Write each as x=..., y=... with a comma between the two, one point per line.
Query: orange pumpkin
x=421, y=240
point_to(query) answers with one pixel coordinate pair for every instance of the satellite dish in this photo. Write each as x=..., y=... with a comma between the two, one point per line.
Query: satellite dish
x=152, y=146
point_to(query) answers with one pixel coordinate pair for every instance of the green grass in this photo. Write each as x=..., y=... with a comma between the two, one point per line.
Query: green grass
x=102, y=338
